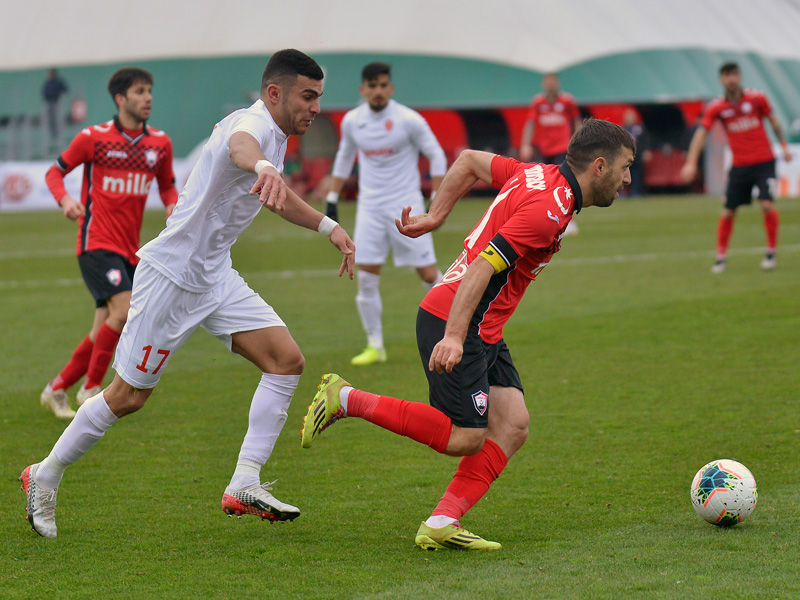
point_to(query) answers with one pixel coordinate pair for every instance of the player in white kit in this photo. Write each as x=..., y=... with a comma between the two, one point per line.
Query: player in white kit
x=185, y=280
x=388, y=138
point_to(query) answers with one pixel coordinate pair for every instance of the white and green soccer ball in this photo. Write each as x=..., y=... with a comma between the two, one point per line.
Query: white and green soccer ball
x=724, y=492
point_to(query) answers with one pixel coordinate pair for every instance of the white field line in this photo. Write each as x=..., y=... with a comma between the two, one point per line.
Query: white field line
x=567, y=262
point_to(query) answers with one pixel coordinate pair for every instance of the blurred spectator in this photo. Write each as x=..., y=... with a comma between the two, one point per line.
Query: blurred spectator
x=632, y=124
x=53, y=89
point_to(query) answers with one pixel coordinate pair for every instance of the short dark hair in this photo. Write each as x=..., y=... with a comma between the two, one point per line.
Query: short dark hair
x=373, y=69
x=597, y=138
x=728, y=67
x=125, y=78
x=288, y=64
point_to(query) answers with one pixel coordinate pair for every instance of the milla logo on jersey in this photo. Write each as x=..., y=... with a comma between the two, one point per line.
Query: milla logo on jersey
x=136, y=184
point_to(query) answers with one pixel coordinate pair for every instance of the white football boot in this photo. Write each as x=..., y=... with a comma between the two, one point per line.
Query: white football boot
x=57, y=401
x=41, y=507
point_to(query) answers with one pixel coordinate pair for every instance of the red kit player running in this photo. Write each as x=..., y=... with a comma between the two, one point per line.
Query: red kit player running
x=741, y=111
x=121, y=159
x=477, y=407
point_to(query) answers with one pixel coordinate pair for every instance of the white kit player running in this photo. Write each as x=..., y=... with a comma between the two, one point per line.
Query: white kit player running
x=185, y=280
x=388, y=138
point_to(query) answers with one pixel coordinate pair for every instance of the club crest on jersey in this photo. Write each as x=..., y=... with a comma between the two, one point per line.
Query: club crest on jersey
x=746, y=107
x=151, y=156
x=389, y=124
x=567, y=194
x=114, y=277
x=481, y=402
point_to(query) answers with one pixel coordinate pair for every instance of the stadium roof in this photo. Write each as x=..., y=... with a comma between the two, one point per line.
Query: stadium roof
x=531, y=34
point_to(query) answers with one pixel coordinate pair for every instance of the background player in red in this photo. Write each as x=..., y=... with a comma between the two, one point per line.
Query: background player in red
x=552, y=118
x=477, y=405
x=741, y=111
x=121, y=158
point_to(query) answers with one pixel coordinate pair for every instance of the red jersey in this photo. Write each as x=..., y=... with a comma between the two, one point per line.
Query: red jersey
x=743, y=121
x=518, y=235
x=553, y=122
x=119, y=170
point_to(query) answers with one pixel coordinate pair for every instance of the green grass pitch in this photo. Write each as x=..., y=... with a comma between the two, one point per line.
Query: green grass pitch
x=640, y=366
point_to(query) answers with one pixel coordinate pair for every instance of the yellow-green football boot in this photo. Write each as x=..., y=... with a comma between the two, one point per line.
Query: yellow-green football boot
x=369, y=356
x=451, y=536
x=324, y=410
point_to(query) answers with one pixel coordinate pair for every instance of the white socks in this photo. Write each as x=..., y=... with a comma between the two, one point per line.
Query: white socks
x=91, y=422
x=429, y=286
x=370, y=308
x=439, y=521
x=267, y=416
x=344, y=393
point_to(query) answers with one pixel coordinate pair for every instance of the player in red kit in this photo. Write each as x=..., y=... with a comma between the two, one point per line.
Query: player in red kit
x=477, y=407
x=742, y=111
x=552, y=118
x=121, y=160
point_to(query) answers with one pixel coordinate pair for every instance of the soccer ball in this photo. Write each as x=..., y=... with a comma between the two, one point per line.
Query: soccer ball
x=724, y=492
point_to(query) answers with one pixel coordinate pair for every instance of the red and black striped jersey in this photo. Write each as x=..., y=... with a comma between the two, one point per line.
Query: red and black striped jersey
x=743, y=122
x=119, y=168
x=519, y=233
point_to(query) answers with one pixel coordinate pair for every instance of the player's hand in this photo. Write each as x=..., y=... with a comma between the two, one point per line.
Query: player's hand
x=271, y=188
x=414, y=226
x=688, y=172
x=342, y=241
x=169, y=208
x=71, y=208
x=525, y=153
x=332, y=211
x=787, y=154
x=446, y=354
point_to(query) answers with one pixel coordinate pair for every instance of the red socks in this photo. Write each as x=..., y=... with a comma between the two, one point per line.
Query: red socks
x=724, y=229
x=472, y=480
x=771, y=222
x=76, y=367
x=420, y=422
x=104, y=346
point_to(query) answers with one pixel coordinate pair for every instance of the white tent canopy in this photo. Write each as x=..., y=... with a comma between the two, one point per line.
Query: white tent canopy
x=533, y=34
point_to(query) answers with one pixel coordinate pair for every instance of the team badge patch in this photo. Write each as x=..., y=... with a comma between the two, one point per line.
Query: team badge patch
x=151, y=156
x=481, y=402
x=388, y=124
x=114, y=277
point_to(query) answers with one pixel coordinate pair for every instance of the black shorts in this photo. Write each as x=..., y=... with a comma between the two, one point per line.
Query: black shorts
x=463, y=394
x=742, y=180
x=106, y=274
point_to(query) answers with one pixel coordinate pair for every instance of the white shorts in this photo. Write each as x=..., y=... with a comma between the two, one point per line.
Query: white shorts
x=375, y=233
x=163, y=316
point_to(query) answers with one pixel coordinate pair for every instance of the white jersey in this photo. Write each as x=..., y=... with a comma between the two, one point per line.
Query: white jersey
x=194, y=251
x=388, y=143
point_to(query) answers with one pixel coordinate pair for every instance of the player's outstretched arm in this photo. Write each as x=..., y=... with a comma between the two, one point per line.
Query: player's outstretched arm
x=689, y=169
x=776, y=127
x=298, y=211
x=469, y=167
x=246, y=154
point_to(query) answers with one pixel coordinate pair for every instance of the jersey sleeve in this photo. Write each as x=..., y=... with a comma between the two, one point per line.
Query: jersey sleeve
x=78, y=152
x=503, y=168
x=346, y=154
x=249, y=123
x=424, y=139
x=166, y=177
x=764, y=105
x=710, y=115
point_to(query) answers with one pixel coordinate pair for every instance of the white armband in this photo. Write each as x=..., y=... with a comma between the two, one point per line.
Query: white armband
x=263, y=163
x=326, y=226
x=332, y=197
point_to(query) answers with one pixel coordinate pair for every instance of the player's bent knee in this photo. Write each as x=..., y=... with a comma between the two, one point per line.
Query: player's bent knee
x=465, y=441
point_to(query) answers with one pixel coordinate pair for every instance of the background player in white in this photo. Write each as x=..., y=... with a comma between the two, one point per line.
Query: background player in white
x=185, y=280
x=388, y=138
